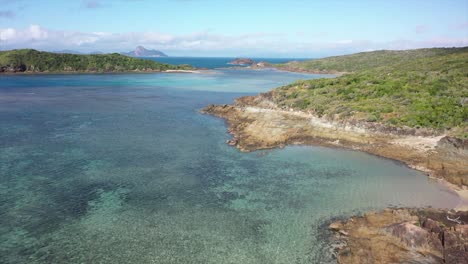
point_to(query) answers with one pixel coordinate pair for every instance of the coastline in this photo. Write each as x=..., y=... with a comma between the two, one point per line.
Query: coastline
x=98, y=72
x=296, y=70
x=462, y=193
x=393, y=235
x=287, y=67
x=256, y=123
x=182, y=71
x=195, y=71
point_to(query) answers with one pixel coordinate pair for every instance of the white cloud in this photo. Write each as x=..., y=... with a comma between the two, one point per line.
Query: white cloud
x=205, y=43
x=7, y=34
x=37, y=33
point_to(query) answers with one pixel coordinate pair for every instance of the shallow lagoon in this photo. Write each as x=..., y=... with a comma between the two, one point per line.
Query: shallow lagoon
x=123, y=169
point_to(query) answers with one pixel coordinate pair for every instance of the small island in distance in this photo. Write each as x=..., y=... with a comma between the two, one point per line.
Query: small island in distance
x=142, y=52
x=242, y=61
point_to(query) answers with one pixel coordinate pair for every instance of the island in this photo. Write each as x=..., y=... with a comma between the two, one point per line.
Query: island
x=33, y=61
x=409, y=106
x=141, y=51
x=242, y=61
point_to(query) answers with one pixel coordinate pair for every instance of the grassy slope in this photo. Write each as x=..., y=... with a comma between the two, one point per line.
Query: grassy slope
x=368, y=60
x=429, y=91
x=37, y=61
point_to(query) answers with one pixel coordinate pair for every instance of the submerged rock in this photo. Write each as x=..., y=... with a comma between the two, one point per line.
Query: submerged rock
x=336, y=226
x=232, y=142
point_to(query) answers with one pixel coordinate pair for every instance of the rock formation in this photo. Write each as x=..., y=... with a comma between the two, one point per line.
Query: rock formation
x=403, y=236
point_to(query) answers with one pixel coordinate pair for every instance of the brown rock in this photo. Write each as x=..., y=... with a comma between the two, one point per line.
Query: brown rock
x=393, y=236
x=454, y=239
x=456, y=257
x=431, y=226
x=336, y=226
x=413, y=236
x=344, y=233
x=232, y=142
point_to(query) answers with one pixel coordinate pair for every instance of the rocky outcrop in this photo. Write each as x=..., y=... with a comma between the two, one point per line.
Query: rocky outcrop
x=256, y=123
x=403, y=236
x=13, y=68
x=242, y=61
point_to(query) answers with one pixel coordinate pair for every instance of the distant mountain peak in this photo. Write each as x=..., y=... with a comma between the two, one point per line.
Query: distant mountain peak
x=141, y=51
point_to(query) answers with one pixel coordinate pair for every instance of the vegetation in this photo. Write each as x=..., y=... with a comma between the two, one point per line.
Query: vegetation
x=425, y=91
x=29, y=60
x=368, y=60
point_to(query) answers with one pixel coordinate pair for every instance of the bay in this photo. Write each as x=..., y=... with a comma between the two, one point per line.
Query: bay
x=122, y=168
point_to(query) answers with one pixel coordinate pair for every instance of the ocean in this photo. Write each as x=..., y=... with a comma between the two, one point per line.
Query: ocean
x=217, y=62
x=122, y=168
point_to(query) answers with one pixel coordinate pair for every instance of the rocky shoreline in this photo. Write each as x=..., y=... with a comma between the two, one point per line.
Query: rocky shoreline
x=256, y=123
x=402, y=236
x=391, y=236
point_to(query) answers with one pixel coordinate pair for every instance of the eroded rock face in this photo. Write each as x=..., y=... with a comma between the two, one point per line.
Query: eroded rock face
x=403, y=236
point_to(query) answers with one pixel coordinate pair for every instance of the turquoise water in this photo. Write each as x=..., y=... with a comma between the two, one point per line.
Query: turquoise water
x=219, y=62
x=123, y=169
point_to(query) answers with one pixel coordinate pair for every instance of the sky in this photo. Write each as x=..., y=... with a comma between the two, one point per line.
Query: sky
x=255, y=28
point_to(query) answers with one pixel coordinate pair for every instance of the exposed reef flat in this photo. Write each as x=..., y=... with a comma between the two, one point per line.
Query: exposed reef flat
x=257, y=123
x=403, y=236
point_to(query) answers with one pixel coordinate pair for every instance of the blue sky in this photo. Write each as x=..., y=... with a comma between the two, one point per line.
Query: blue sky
x=293, y=28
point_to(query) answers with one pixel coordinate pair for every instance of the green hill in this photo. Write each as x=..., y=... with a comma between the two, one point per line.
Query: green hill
x=29, y=60
x=367, y=60
x=428, y=90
